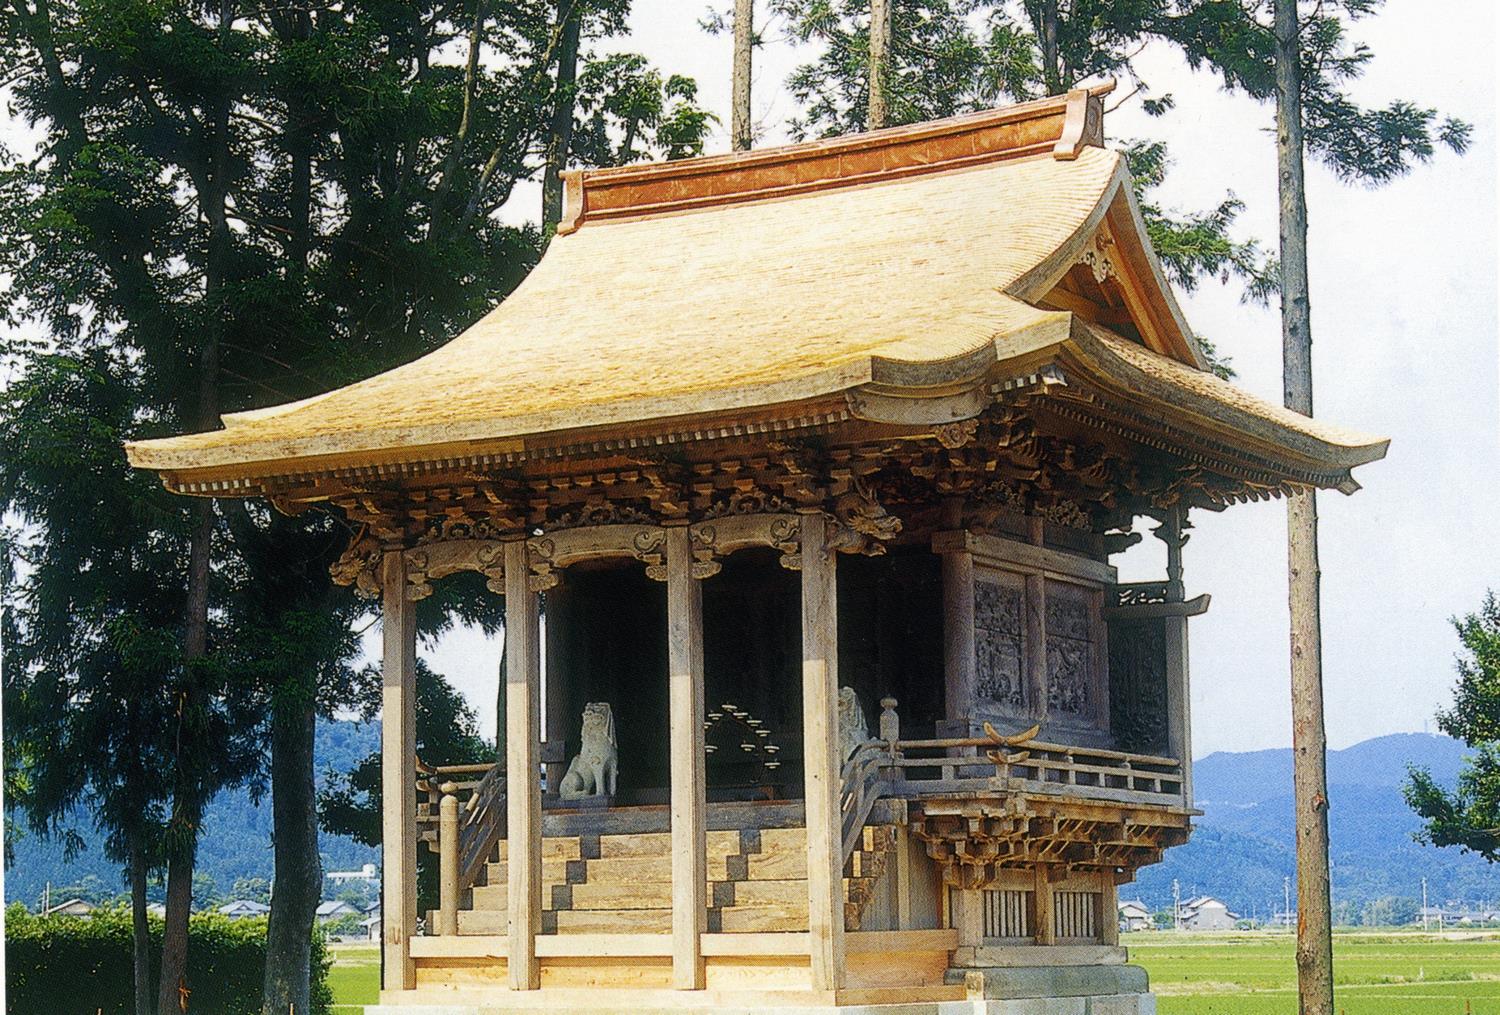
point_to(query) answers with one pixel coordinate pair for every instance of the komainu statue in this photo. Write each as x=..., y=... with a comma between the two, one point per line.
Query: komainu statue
x=594, y=771
x=852, y=728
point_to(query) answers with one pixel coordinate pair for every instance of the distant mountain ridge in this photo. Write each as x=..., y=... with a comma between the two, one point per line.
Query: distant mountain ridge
x=1242, y=847
x=236, y=839
x=1240, y=851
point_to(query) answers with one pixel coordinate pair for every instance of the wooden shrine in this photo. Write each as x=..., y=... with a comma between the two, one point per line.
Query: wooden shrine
x=815, y=459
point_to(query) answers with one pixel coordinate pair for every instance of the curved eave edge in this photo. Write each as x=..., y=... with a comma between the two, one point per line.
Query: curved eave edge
x=1261, y=431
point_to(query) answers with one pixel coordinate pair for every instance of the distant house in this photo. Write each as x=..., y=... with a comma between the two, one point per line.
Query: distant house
x=73, y=907
x=365, y=873
x=1206, y=913
x=240, y=908
x=334, y=909
x=1135, y=916
x=156, y=909
x=372, y=925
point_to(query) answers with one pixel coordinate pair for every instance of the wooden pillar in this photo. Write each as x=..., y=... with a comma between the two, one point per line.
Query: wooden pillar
x=1179, y=706
x=689, y=825
x=958, y=641
x=558, y=702
x=1043, y=916
x=967, y=916
x=523, y=790
x=1036, y=645
x=1109, y=909
x=820, y=754
x=398, y=788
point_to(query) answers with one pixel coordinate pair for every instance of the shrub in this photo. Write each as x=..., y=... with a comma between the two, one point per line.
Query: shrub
x=72, y=964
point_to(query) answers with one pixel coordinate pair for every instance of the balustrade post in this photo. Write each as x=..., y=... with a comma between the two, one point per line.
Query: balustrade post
x=448, y=861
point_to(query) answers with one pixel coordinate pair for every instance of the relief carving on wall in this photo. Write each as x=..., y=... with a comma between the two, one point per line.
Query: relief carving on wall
x=1069, y=656
x=1138, y=684
x=999, y=667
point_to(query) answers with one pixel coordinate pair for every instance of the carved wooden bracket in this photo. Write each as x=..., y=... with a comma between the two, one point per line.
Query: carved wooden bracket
x=723, y=536
x=860, y=524
x=438, y=560
x=359, y=565
x=550, y=553
x=976, y=840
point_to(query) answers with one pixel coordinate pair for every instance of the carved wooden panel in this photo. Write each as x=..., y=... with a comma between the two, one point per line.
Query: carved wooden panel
x=999, y=661
x=1070, y=653
x=1138, y=684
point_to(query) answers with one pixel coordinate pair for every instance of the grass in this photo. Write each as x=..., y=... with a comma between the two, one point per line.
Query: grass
x=355, y=977
x=1218, y=974
x=1374, y=974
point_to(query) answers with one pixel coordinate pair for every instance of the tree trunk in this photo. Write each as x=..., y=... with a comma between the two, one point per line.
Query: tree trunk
x=140, y=930
x=880, y=63
x=1309, y=744
x=182, y=829
x=741, y=133
x=172, y=995
x=560, y=136
x=1052, y=76
x=299, y=874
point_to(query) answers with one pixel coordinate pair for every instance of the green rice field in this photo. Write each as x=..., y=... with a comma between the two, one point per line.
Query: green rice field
x=1221, y=974
x=1374, y=974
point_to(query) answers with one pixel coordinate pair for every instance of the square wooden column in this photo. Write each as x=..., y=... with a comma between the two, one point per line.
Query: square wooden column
x=1179, y=706
x=958, y=641
x=689, y=826
x=523, y=788
x=398, y=788
x=820, y=755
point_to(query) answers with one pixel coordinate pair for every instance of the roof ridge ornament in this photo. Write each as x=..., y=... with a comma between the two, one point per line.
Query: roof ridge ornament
x=1061, y=124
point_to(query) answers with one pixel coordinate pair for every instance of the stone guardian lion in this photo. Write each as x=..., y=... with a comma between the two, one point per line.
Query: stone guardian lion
x=594, y=770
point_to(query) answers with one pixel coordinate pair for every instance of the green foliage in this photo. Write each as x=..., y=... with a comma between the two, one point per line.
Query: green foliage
x=223, y=215
x=447, y=733
x=622, y=96
x=83, y=964
x=1468, y=816
x=955, y=56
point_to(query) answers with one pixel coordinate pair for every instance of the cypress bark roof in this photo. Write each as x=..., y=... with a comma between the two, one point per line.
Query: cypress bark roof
x=918, y=260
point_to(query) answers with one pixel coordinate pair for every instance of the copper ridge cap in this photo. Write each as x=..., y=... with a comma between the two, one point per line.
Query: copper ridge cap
x=1061, y=124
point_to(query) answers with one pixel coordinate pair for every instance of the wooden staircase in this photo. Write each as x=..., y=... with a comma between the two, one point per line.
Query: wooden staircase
x=622, y=883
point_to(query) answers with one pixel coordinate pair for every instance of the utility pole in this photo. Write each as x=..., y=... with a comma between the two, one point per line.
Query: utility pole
x=1424, y=905
x=1286, y=905
x=880, y=62
x=1309, y=741
x=741, y=132
x=1176, y=905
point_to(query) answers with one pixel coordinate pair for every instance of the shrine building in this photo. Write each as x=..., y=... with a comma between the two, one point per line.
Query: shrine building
x=815, y=459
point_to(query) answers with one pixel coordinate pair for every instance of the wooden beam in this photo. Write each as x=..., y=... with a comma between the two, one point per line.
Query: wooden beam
x=398, y=749
x=523, y=789
x=689, y=806
x=820, y=757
